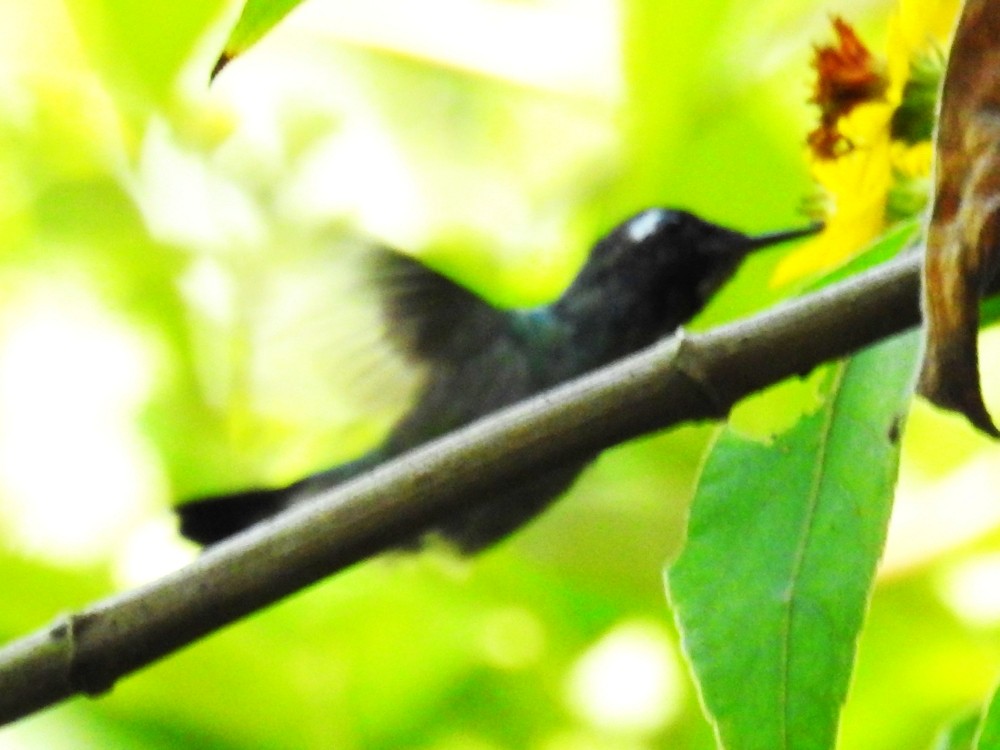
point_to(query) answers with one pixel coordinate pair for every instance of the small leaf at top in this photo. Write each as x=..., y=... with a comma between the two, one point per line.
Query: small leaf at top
x=257, y=18
x=963, y=240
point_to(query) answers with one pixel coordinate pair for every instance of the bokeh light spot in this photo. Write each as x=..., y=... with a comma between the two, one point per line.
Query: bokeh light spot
x=629, y=680
x=73, y=469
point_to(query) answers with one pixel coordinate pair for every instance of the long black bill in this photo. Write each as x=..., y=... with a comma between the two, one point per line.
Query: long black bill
x=773, y=238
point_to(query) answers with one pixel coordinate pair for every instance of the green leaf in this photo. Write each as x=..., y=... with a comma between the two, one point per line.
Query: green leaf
x=777, y=408
x=889, y=245
x=771, y=588
x=988, y=734
x=258, y=18
x=975, y=731
x=959, y=736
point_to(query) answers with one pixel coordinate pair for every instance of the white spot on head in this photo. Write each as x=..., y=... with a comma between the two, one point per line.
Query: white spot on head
x=642, y=226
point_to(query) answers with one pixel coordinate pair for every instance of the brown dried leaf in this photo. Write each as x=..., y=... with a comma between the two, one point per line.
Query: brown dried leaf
x=963, y=253
x=847, y=75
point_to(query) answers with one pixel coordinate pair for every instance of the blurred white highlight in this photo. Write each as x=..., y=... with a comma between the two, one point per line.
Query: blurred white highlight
x=73, y=469
x=629, y=681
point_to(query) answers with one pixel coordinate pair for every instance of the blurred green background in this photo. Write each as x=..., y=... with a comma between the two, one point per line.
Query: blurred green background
x=179, y=314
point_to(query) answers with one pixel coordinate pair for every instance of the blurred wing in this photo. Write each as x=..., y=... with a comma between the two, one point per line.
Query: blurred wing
x=325, y=350
x=316, y=350
x=429, y=316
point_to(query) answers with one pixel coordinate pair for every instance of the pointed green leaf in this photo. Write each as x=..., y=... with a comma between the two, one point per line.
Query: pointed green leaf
x=959, y=736
x=783, y=540
x=988, y=734
x=892, y=243
x=257, y=18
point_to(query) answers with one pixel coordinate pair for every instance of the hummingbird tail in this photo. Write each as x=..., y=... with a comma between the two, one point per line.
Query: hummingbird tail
x=212, y=519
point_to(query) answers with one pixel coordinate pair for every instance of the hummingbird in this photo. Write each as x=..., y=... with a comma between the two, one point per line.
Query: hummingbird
x=645, y=278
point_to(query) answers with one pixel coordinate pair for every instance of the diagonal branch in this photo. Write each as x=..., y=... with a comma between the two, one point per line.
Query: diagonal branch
x=683, y=378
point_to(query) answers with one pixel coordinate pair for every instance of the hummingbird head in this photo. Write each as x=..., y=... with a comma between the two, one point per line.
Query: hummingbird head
x=672, y=251
x=657, y=270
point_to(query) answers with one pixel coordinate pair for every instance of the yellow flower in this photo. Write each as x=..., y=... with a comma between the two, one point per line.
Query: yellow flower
x=877, y=157
x=853, y=217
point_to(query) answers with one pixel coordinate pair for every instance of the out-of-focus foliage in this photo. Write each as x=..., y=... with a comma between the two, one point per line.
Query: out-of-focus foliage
x=178, y=315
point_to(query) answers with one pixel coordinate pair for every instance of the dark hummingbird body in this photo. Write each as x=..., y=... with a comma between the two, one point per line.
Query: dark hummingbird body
x=643, y=280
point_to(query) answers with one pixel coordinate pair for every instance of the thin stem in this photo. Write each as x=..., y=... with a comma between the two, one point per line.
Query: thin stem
x=684, y=378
